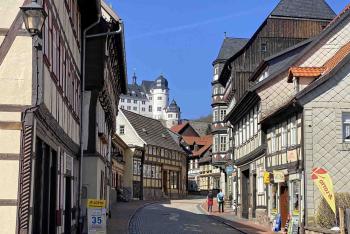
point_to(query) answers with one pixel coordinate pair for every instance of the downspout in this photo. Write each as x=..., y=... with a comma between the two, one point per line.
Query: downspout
x=303, y=172
x=82, y=88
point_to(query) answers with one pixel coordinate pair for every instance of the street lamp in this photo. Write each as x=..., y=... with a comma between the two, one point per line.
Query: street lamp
x=34, y=17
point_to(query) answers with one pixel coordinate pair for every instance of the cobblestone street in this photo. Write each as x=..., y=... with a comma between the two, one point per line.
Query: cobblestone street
x=180, y=216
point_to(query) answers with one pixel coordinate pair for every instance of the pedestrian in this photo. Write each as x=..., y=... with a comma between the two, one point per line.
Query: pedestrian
x=220, y=198
x=210, y=201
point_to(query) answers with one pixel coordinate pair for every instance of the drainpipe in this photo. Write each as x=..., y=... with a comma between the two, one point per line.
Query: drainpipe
x=82, y=88
x=303, y=172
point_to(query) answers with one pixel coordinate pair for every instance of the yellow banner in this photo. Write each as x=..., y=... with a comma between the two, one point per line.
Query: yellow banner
x=266, y=177
x=324, y=183
x=93, y=203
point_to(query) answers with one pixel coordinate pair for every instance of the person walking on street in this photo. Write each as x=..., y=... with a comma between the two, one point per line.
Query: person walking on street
x=220, y=198
x=210, y=201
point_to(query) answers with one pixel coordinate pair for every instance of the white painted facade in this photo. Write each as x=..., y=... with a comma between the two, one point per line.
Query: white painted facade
x=153, y=103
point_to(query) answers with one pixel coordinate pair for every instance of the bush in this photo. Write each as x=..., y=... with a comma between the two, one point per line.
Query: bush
x=325, y=216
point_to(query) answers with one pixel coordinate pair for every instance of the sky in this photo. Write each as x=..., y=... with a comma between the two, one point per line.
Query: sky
x=181, y=38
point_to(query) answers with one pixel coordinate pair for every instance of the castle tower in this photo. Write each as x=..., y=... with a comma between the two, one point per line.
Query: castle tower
x=160, y=97
x=172, y=114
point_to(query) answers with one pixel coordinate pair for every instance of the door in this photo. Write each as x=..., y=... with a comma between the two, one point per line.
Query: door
x=254, y=196
x=284, y=203
x=136, y=189
x=245, y=194
x=165, y=182
x=68, y=206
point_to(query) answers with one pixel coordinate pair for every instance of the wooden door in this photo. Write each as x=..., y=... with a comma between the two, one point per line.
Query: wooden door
x=284, y=203
x=254, y=196
x=165, y=182
x=245, y=194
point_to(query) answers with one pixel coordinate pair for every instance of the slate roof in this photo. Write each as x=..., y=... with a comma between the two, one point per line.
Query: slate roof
x=229, y=47
x=135, y=91
x=173, y=107
x=160, y=83
x=310, y=9
x=151, y=131
x=147, y=85
x=200, y=127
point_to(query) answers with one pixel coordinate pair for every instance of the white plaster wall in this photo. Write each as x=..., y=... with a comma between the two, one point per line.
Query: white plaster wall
x=159, y=103
x=16, y=73
x=8, y=221
x=8, y=12
x=130, y=137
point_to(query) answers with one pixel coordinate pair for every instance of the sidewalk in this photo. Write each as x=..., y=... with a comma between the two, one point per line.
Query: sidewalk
x=121, y=214
x=229, y=218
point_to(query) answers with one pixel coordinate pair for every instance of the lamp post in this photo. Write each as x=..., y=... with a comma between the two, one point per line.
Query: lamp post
x=34, y=17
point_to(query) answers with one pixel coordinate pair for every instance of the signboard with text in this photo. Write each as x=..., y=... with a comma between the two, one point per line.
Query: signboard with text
x=96, y=216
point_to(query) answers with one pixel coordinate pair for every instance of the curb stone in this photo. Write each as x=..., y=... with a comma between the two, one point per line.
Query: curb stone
x=137, y=210
x=221, y=220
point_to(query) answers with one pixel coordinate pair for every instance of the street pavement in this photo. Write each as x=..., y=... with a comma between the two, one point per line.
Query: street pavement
x=176, y=216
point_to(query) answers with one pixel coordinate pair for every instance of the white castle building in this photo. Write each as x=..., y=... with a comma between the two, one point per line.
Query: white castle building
x=151, y=99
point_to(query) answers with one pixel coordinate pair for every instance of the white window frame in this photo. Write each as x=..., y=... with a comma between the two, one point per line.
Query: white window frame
x=223, y=143
x=284, y=135
x=122, y=129
x=346, y=127
x=273, y=140
x=293, y=132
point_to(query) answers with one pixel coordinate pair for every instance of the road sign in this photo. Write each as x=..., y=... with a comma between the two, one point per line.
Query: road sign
x=96, y=216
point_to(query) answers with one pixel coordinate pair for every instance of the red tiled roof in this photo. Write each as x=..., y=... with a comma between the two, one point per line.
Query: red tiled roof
x=316, y=72
x=178, y=128
x=305, y=72
x=204, y=141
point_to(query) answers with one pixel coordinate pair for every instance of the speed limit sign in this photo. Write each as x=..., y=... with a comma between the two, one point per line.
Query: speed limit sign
x=96, y=216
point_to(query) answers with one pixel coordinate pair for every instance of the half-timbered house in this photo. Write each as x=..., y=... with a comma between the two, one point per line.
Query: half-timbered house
x=305, y=119
x=105, y=80
x=290, y=23
x=159, y=163
x=40, y=117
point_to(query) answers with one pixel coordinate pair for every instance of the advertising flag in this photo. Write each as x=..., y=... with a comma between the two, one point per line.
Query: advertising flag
x=324, y=183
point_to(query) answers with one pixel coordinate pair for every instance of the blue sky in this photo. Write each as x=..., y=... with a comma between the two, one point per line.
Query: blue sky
x=181, y=39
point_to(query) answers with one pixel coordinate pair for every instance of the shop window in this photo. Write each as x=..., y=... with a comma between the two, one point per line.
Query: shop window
x=346, y=127
x=274, y=196
x=295, y=195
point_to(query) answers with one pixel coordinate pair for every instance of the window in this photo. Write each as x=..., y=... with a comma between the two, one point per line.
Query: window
x=346, y=127
x=222, y=143
x=143, y=102
x=129, y=100
x=143, y=109
x=256, y=120
x=251, y=125
x=293, y=132
x=159, y=108
x=137, y=166
x=159, y=98
x=216, y=143
x=222, y=115
x=216, y=70
x=135, y=101
x=273, y=141
x=263, y=47
x=170, y=115
x=121, y=129
x=122, y=100
x=128, y=107
x=196, y=163
x=284, y=136
x=122, y=107
x=244, y=132
x=216, y=116
x=150, y=98
x=260, y=184
x=150, y=108
x=134, y=108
